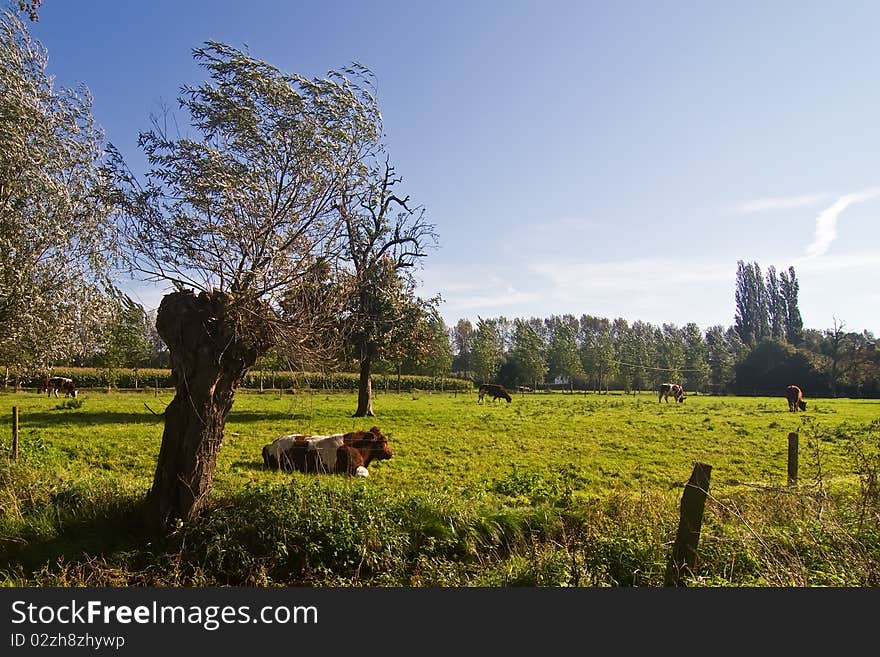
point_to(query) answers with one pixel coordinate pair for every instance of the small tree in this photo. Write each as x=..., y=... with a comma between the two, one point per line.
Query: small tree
x=128, y=342
x=721, y=357
x=385, y=237
x=528, y=353
x=486, y=354
x=597, y=350
x=562, y=353
x=462, y=342
x=696, y=365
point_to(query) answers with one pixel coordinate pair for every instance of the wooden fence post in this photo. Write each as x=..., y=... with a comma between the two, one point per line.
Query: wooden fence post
x=693, y=501
x=15, y=432
x=792, y=458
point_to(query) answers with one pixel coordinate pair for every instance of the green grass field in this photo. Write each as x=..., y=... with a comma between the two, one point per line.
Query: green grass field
x=455, y=443
x=448, y=449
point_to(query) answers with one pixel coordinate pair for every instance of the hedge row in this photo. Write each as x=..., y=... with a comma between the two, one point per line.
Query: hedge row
x=89, y=377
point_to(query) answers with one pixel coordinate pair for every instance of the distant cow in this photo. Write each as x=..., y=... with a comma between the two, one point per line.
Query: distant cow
x=52, y=384
x=673, y=389
x=795, y=398
x=494, y=390
x=342, y=453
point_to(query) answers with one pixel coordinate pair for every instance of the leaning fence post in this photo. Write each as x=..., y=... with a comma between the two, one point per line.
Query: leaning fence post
x=792, y=458
x=15, y=432
x=693, y=501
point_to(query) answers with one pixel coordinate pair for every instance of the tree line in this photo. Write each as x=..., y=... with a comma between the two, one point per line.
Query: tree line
x=570, y=352
x=766, y=349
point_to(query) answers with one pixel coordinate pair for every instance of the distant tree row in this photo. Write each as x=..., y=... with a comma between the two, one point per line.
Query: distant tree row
x=765, y=350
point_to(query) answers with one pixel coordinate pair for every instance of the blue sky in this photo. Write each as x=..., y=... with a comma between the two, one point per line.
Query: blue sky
x=607, y=158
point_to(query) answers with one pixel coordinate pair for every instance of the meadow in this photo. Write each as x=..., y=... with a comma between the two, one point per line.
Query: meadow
x=551, y=489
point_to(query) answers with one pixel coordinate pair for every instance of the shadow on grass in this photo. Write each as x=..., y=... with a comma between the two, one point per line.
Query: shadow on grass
x=120, y=538
x=83, y=418
x=86, y=418
x=260, y=416
x=253, y=466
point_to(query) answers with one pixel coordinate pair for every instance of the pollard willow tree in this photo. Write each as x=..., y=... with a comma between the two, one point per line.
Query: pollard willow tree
x=384, y=239
x=243, y=221
x=55, y=230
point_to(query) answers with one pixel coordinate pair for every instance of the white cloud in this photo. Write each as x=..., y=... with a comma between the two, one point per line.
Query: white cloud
x=629, y=276
x=779, y=203
x=473, y=288
x=826, y=222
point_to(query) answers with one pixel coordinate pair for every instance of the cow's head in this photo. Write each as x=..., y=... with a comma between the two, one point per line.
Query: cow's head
x=377, y=443
x=802, y=405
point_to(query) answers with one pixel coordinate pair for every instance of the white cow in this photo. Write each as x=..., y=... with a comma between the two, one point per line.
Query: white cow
x=326, y=447
x=273, y=452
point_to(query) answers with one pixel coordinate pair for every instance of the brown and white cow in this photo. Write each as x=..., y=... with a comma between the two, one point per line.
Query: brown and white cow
x=673, y=389
x=273, y=453
x=52, y=384
x=795, y=397
x=348, y=453
x=494, y=390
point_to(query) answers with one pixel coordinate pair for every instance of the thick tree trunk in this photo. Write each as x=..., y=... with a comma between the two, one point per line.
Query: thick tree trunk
x=212, y=345
x=365, y=389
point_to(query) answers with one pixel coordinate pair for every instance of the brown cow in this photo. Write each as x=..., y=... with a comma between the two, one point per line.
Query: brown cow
x=348, y=453
x=53, y=384
x=494, y=390
x=795, y=397
x=673, y=389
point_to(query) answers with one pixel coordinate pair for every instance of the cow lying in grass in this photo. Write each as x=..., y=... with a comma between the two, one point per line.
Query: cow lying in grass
x=53, y=384
x=340, y=453
x=494, y=390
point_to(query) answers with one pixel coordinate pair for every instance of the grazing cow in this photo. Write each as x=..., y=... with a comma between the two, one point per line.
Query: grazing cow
x=53, y=384
x=348, y=453
x=494, y=390
x=795, y=398
x=673, y=389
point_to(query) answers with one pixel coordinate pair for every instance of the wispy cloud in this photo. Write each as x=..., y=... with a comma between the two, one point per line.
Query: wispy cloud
x=779, y=203
x=826, y=222
x=627, y=276
x=474, y=288
x=846, y=262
